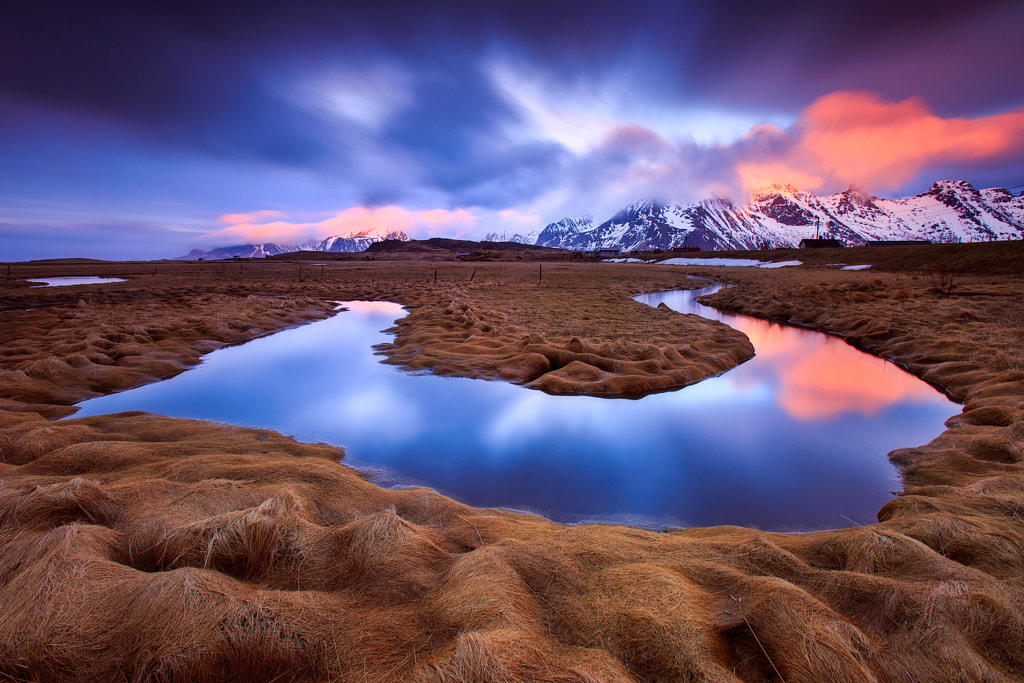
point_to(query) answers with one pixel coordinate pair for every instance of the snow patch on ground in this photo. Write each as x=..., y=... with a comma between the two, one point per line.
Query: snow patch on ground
x=864, y=267
x=735, y=262
x=623, y=260
x=66, y=281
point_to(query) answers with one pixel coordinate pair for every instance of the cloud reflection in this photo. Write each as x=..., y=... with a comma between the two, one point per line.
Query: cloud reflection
x=820, y=377
x=375, y=411
x=385, y=308
x=821, y=385
x=811, y=376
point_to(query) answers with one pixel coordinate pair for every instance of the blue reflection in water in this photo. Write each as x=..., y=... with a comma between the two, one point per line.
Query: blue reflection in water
x=776, y=443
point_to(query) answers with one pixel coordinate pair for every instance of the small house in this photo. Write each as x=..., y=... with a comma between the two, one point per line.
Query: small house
x=819, y=243
x=606, y=252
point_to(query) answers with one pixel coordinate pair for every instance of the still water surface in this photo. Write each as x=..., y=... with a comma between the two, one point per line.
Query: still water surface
x=794, y=439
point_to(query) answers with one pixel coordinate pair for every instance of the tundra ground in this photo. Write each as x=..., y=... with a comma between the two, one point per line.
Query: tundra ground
x=149, y=548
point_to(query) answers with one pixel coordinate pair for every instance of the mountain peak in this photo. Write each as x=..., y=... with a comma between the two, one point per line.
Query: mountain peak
x=852, y=197
x=576, y=222
x=772, y=190
x=951, y=185
x=646, y=205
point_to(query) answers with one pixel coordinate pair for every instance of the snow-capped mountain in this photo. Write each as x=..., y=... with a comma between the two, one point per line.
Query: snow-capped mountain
x=353, y=241
x=528, y=238
x=710, y=224
x=781, y=216
x=240, y=250
x=564, y=234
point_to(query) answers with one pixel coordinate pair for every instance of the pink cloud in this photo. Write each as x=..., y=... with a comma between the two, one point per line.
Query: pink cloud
x=245, y=228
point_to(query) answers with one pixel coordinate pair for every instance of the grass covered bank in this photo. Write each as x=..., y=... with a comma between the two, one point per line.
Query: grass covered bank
x=143, y=547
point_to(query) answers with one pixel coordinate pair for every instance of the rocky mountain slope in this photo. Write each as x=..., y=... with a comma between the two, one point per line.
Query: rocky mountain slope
x=781, y=216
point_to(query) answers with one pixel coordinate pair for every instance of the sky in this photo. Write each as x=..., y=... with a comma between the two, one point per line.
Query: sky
x=143, y=130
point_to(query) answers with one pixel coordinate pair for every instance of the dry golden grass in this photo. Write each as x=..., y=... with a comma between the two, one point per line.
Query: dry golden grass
x=140, y=547
x=561, y=328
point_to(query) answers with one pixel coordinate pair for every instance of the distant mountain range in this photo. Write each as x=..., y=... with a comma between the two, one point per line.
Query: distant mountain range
x=354, y=241
x=775, y=216
x=529, y=238
x=781, y=216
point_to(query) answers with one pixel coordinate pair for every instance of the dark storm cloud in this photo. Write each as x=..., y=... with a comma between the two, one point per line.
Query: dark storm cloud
x=181, y=65
x=504, y=178
x=132, y=66
x=454, y=109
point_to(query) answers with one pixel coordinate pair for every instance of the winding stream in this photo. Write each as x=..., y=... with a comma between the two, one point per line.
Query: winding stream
x=795, y=439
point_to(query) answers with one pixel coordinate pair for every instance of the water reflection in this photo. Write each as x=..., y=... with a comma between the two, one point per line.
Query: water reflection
x=813, y=376
x=733, y=449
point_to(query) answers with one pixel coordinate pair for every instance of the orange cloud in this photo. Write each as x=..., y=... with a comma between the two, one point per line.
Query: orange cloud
x=858, y=138
x=857, y=135
x=245, y=228
x=754, y=176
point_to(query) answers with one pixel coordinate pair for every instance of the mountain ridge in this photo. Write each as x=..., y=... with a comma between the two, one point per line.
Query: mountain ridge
x=780, y=216
x=354, y=241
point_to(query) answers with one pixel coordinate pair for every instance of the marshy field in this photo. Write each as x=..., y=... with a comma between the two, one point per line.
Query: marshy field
x=135, y=546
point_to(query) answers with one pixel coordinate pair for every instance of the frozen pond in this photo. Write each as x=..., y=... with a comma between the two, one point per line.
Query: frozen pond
x=794, y=439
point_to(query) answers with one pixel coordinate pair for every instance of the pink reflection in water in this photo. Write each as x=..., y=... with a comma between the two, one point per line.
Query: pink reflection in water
x=370, y=307
x=824, y=376
x=812, y=376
